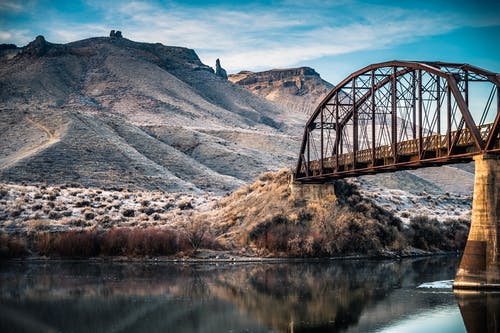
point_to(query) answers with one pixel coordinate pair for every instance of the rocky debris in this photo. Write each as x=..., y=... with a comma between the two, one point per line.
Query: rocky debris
x=297, y=89
x=219, y=71
x=115, y=34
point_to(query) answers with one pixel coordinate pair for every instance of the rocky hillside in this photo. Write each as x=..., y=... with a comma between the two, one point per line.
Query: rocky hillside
x=109, y=111
x=297, y=89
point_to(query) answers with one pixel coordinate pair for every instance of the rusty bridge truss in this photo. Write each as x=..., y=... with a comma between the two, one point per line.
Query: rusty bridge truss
x=401, y=115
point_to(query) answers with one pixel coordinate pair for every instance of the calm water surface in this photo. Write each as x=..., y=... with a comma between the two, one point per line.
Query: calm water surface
x=331, y=296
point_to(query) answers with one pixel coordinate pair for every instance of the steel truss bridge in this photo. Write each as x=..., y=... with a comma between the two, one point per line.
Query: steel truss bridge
x=401, y=115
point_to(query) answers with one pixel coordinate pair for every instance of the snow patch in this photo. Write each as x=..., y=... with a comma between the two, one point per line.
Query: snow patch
x=444, y=284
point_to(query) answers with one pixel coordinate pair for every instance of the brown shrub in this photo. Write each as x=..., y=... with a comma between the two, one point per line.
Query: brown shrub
x=427, y=234
x=12, y=247
x=77, y=244
x=185, y=204
x=54, y=215
x=44, y=243
x=196, y=232
x=152, y=242
x=430, y=234
x=82, y=203
x=140, y=242
x=89, y=215
x=66, y=213
x=114, y=242
x=277, y=234
x=128, y=213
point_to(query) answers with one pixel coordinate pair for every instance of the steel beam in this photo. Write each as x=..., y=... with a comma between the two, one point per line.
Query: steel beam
x=408, y=91
x=462, y=105
x=495, y=129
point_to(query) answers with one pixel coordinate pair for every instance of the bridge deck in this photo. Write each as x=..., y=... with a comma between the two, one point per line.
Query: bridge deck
x=434, y=150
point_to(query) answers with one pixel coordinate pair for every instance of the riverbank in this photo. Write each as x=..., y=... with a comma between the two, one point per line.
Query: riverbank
x=261, y=220
x=212, y=257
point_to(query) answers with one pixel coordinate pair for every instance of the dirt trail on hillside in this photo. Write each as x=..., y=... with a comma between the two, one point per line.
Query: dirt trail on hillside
x=26, y=152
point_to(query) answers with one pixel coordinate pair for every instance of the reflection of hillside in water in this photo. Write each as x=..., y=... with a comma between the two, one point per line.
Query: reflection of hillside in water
x=326, y=297
x=334, y=296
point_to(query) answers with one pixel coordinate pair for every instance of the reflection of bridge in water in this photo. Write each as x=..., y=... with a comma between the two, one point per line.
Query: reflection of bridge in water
x=405, y=115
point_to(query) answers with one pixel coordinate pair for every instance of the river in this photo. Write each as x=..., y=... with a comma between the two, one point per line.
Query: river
x=410, y=295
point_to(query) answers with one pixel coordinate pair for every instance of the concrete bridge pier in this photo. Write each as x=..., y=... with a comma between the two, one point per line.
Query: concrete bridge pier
x=480, y=265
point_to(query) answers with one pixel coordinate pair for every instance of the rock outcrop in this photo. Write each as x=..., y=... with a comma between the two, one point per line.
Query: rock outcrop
x=115, y=34
x=219, y=71
x=297, y=89
x=37, y=48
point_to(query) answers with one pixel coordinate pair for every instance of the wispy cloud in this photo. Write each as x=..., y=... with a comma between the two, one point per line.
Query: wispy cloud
x=21, y=36
x=282, y=36
x=11, y=6
x=261, y=36
x=72, y=32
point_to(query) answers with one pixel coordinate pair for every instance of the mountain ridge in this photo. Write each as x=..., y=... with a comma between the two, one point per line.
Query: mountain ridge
x=298, y=89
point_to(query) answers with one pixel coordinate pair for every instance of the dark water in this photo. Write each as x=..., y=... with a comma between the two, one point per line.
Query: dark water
x=334, y=296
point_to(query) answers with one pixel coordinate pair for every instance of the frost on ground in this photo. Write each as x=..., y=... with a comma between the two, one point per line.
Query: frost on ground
x=264, y=218
x=405, y=205
x=27, y=208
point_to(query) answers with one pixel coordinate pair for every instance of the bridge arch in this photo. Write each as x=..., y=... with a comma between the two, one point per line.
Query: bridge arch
x=401, y=114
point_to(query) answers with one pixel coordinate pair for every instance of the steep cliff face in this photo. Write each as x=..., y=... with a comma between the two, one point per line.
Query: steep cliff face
x=296, y=89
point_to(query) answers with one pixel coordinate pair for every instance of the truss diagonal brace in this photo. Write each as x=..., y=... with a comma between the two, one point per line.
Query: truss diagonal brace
x=464, y=109
x=493, y=137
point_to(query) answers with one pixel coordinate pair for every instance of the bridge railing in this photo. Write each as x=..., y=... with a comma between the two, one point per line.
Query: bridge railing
x=431, y=143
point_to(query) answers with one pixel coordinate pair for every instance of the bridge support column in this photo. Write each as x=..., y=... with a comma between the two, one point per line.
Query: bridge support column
x=480, y=265
x=312, y=192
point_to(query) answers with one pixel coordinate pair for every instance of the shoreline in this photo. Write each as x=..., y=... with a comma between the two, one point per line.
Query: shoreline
x=234, y=259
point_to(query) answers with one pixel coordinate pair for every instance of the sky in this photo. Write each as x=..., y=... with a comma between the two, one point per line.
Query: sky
x=334, y=37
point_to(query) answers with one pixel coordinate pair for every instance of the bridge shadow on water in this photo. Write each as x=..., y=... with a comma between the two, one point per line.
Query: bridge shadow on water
x=329, y=296
x=480, y=310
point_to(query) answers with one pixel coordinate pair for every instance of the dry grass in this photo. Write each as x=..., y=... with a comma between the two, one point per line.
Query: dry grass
x=12, y=247
x=266, y=217
x=130, y=242
x=263, y=218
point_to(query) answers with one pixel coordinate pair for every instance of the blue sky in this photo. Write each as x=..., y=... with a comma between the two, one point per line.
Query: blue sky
x=334, y=37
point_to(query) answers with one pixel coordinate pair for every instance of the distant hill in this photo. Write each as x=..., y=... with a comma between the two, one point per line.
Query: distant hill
x=297, y=89
x=109, y=111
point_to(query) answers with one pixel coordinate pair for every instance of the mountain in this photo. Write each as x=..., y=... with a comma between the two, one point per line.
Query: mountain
x=297, y=89
x=108, y=111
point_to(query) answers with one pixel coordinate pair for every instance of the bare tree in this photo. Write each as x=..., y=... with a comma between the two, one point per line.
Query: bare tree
x=196, y=232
